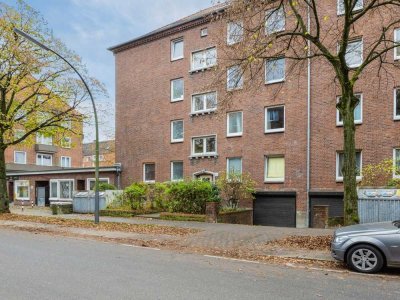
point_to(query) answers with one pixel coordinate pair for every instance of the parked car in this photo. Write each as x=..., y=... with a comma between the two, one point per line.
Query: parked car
x=366, y=248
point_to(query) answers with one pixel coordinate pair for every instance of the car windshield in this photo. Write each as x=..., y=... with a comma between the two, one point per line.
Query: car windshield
x=396, y=223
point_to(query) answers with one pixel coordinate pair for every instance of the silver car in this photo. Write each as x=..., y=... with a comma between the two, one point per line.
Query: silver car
x=367, y=248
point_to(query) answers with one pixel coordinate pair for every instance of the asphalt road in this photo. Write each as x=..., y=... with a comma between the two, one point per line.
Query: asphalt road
x=36, y=266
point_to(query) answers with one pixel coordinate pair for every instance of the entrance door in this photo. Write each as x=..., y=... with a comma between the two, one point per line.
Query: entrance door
x=41, y=196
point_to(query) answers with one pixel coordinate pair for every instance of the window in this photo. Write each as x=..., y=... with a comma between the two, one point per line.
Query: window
x=20, y=157
x=396, y=162
x=67, y=124
x=101, y=157
x=61, y=189
x=177, y=49
x=234, y=32
x=204, y=59
x=177, y=89
x=235, y=123
x=204, y=146
x=44, y=139
x=149, y=172
x=275, y=70
x=234, y=166
x=275, y=20
x=176, y=170
x=176, y=131
x=65, y=162
x=275, y=169
x=204, y=32
x=357, y=112
x=234, y=78
x=21, y=189
x=340, y=6
x=19, y=133
x=44, y=159
x=91, y=182
x=66, y=142
x=339, y=165
x=397, y=41
x=275, y=119
x=204, y=102
x=354, y=54
x=397, y=104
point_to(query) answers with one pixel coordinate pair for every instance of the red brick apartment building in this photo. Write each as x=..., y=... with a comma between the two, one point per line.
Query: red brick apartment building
x=167, y=128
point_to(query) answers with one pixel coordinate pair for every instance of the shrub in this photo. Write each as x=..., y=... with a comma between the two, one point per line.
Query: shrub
x=394, y=182
x=103, y=186
x=135, y=195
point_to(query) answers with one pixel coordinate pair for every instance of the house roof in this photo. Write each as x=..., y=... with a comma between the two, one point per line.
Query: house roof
x=204, y=15
x=105, y=147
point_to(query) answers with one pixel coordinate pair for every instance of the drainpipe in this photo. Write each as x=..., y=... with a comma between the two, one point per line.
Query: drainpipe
x=308, y=117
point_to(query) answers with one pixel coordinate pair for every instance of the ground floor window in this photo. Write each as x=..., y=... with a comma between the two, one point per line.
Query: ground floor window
x=275, y=169
x=91, y=182
x=61, y=189
x=21, y=189
x=234, y=166
x=176, y=170
x=149, y=172
x=396, y=161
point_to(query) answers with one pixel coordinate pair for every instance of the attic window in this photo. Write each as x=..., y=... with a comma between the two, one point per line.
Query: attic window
x=204, y=32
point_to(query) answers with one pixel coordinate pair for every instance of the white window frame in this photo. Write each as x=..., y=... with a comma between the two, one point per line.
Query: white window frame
x=239, y=83
x=67, y=158
x=268, y=13
x=173, y=42
x=228, y=165
x=204, y=51
x=362, y=52
x=204, y=137
x=144, y=173
x=227, y=124
x=101, y=180
x=394, y=163
x=172, y=90
x=172, y=131
x=340, y=178
x=204, y=32
x=19, y=133
x=16, y=184
x=65, y=144
x=357, y=122
x=172, y=170
x=42, y=139
x=58, y=181
x=340, y=12
x=15, y=157
x=230, y=39
x=266, y=130
x=395, y=116
x=279, y=79
x=205, y=110
x=396, y=41
x=274, y=180
x=51, y=159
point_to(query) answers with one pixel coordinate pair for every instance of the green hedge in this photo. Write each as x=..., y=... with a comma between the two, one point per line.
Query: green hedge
x=124, y=213
x=182, y=217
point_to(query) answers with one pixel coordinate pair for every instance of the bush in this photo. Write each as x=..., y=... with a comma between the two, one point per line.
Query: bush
x=103, y=186
x=394, y=182
x=189, y=196
x=378, y=175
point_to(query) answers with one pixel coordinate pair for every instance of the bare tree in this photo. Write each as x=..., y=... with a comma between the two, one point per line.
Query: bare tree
x=263, y=32
x=39, y=93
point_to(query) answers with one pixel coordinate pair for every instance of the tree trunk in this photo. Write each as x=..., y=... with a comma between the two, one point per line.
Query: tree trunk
x=3, y=183
x=349, y=168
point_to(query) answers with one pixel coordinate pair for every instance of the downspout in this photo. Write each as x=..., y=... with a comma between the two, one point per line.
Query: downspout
x=308, y=117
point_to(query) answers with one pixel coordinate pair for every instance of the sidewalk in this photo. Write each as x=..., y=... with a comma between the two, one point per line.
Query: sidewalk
x=221, y=238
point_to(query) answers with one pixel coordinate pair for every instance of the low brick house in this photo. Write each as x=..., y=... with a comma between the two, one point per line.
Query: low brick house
x=169, y=127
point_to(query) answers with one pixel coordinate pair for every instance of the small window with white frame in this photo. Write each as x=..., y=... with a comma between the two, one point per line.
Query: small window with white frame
x=177, y=89
x=233, y=166
x=66, y=142
x=234, y=78
x=44, y=139
x=204, y=32
x=65, y=162
x=177, y=131
x=340, y=163
x=19, y=133
x=176, y=170
x=396, y=113
x=275, y=169
x=275, y=20
x=357, y=112
x=354, y=53
x=396, y=163
x=43, y=159
x=61, y=189
x=341, y=9
x=275, y=70
x=204, y=146
x=275, y=119
x=91, y=182
x=397, y=41
x=202, y=103
x=177, y=49
x=21, y=189
x=149, y=172
x=234, y=32
x=204, y=59
x=20, y=157
x=234, y=123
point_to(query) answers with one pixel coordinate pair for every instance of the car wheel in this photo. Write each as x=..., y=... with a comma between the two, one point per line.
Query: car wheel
x=365, y=259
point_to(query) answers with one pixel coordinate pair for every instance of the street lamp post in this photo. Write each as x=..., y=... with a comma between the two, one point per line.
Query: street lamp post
x=97, y=200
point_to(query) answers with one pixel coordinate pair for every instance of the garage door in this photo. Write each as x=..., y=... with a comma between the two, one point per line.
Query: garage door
x=333, y=200
x=275, y=209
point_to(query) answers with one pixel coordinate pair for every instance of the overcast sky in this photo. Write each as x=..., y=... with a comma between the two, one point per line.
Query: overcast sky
x=89, y=27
